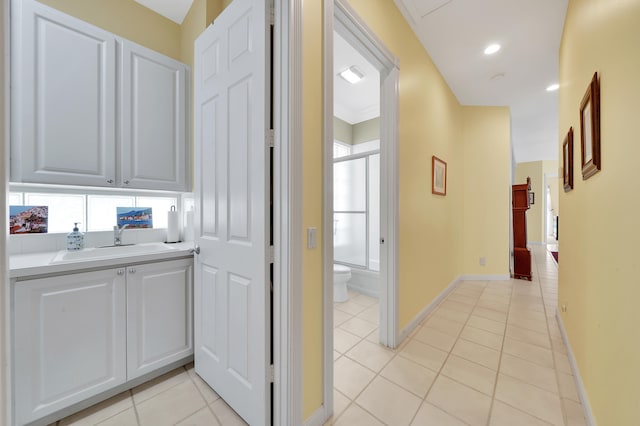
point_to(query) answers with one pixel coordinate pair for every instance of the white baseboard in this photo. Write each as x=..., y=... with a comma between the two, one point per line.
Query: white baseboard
x=318, y=418
x=586, y=407
x=498, y=277
x=427, y=310
x=537, y=243
x=367, y=291
x=365, y=282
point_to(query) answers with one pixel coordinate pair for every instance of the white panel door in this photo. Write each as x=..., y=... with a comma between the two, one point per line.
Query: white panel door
x=63, y=96
x=159, y=315
x=70, y=338
x=154, y=152
x=232, y=312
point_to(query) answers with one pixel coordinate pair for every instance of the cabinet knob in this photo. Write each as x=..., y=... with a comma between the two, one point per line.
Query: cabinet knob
x=132, y=270
x=126, y=182
x=120, y=272
x=110, y=181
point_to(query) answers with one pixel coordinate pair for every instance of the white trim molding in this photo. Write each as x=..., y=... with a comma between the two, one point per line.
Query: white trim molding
x=326, y=410
x=582, y=393
x=424, y=313
x=5, y=298
x=318, y=418
x=287, y=181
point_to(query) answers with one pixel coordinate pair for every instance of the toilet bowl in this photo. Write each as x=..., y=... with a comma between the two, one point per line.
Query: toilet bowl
x=341, y=276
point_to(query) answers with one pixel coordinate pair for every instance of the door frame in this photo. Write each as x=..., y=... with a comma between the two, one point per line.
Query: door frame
x=287, y=212
x=339, y=15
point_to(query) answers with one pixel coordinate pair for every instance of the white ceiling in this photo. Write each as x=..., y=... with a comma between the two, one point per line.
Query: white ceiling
x=455, y=34
x=358, y=102
x=175, y=10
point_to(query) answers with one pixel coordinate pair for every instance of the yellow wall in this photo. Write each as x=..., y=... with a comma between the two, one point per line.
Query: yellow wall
x=599, y=231
x=486, y=133
x=127, y=19
x=312, y=206
x=193, y=25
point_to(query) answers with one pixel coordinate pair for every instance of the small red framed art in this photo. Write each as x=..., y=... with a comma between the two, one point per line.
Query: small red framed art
x=438, y=176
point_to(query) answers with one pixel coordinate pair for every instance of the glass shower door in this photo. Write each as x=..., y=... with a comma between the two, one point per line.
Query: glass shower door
x=350, y=219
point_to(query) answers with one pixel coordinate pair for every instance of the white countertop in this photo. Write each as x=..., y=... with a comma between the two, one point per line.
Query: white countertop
x=29, y=265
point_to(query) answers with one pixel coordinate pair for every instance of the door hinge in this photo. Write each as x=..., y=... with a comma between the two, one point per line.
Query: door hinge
x=272, y=14
x=271, y=138
x=272, y=373
x=272, y=254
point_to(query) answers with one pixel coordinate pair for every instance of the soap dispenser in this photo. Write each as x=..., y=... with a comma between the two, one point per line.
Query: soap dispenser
x=75, y=239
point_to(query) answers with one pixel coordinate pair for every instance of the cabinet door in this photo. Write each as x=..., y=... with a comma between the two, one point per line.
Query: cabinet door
x=154, y=152
x=70, y=337
x=63, y=98
x=159, y=315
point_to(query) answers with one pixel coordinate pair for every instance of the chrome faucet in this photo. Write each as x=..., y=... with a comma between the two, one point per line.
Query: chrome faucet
x=117, y=234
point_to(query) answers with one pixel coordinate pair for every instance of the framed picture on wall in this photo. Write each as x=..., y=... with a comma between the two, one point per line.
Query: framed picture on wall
x=590, y=129
x=438, y=176
x=567, y=161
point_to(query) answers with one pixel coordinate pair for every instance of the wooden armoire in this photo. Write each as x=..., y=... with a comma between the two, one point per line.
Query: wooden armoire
x=521, y=254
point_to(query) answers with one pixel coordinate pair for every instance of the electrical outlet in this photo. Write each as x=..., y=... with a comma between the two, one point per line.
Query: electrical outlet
x=564, y=307
x=483, y=261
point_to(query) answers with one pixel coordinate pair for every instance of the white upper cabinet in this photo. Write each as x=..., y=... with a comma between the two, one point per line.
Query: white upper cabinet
x=92, y=109
x=154, y=154
x=63, y=98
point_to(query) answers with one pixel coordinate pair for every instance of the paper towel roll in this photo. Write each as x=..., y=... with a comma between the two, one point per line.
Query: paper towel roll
x=188, y=226
x=173, y=225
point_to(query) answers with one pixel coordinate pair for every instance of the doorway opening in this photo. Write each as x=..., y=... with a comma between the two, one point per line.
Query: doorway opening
x=360, y=196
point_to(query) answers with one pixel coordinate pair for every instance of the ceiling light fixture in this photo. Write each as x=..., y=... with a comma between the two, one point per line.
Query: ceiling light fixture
x=352, y=74
x=491, y=49
x=553, y=87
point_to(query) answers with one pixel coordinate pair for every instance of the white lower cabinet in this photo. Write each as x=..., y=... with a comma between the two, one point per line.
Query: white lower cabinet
x=78, y=335
x=159, y=315
x=70, y=342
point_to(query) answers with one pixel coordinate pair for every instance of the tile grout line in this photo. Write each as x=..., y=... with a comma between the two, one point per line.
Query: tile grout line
x=353, y=401
x=135, y=407
x=439, y=372
x=553, y=357
x=504, y=337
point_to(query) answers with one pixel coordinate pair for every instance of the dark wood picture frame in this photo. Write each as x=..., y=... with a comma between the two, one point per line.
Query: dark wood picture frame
x=438, y=176
x=590, y=129
x=567, y=161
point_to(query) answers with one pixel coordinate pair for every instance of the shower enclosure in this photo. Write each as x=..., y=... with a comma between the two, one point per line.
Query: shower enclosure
x=356, y=204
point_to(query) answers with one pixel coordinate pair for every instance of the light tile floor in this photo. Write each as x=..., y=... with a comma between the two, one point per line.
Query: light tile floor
x=490, y=354
x=178, y=398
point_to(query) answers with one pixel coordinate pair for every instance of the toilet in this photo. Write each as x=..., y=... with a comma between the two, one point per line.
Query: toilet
x=341, y=276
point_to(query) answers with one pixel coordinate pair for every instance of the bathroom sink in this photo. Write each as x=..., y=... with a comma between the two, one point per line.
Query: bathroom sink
x=110, y=252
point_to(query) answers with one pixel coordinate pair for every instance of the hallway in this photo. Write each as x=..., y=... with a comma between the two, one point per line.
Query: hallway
x=490, y=354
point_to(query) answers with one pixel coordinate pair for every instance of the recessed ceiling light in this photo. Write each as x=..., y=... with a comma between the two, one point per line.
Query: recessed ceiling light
x=352, y=74
x=553, y=87
x=490, y=50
